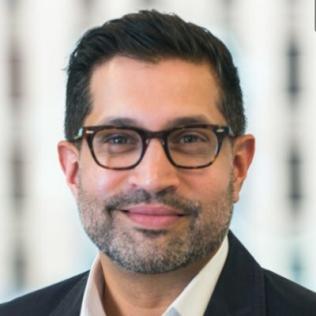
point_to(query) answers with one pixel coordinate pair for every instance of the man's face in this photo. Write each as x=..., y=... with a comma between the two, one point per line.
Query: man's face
x=155, y=217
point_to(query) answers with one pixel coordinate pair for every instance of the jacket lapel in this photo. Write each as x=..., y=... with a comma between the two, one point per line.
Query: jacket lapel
x=70, y=305
x=240, y=288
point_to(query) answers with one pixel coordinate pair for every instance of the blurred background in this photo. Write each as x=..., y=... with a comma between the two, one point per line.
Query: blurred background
x=274, y=46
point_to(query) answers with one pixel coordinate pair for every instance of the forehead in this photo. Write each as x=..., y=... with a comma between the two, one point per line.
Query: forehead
x=153, y=94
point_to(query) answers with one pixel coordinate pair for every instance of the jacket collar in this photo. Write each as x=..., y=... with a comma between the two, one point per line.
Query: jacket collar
x=240, y=288
x=70, y=305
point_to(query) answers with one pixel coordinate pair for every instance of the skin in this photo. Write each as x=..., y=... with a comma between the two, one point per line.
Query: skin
x=133, y=89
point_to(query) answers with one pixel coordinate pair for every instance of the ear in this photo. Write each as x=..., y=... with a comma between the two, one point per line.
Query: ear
x=68, y=155
x=243, y=152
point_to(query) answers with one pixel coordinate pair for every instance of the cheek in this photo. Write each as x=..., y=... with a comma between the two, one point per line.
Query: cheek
x=99, y=182
x=102, y=183
x=208, y=184
x=96, y=181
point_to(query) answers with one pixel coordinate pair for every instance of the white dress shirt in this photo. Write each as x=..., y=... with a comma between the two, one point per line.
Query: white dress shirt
x=192, y=300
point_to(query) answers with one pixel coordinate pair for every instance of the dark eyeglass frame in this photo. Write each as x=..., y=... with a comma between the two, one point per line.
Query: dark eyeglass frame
x=88, y=132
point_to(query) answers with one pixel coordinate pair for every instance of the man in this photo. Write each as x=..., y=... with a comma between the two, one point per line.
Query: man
x=156, y=155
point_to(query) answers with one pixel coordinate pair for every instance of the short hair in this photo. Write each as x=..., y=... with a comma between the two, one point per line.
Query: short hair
x=150, y=36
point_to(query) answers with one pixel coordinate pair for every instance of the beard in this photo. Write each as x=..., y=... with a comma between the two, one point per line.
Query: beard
x=156, y=251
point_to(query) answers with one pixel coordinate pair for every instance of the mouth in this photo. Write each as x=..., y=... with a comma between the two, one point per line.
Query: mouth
x=153, y=216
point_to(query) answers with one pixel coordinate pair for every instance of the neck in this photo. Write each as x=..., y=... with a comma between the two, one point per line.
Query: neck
x=130, y=293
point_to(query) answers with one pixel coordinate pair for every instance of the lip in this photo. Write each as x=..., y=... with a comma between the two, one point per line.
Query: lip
x=153, y=216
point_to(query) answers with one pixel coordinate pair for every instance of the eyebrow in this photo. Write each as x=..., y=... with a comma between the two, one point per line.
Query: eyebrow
x=179, y=121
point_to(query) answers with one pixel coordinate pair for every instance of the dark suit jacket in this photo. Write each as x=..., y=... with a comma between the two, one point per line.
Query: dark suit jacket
x=243, y=289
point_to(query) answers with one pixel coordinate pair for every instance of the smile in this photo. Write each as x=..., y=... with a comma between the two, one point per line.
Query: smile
x=153, y=216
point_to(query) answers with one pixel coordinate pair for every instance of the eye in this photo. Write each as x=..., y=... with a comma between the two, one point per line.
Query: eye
x=189, y=137
x=116, y=142
x=118, y=139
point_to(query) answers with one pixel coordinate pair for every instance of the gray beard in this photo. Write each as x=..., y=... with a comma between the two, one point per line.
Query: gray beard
x=150, y=255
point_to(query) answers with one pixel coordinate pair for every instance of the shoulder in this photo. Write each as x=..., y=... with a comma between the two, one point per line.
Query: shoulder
x=45, y=300
x=263, y=291
x=281, y=292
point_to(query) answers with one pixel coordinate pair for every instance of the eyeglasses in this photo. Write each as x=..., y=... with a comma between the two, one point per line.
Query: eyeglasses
x=123, y=148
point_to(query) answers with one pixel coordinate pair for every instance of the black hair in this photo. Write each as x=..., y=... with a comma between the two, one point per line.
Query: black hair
x=150, y=36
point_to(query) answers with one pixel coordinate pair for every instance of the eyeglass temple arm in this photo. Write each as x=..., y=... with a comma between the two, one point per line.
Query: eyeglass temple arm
x=81, y=133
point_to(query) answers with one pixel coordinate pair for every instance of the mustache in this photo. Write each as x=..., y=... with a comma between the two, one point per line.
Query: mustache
x=123, y=200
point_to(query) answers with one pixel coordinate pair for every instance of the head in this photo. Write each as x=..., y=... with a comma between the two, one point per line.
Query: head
x=155, y=73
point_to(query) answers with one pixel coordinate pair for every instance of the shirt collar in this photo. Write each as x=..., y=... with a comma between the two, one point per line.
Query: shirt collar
x=195, y=297
x=193, y=300
x=92, y=297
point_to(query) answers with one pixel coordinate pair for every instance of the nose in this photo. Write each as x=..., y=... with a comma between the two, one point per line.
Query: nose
x=154, y=173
